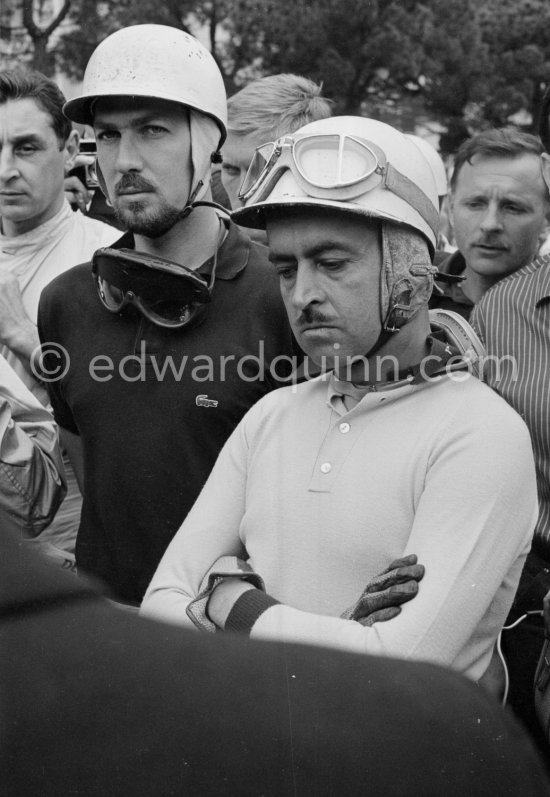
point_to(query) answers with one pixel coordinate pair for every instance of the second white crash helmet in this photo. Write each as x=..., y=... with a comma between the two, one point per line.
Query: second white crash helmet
x=155, y=61
x=436, y=162
x=350, y=163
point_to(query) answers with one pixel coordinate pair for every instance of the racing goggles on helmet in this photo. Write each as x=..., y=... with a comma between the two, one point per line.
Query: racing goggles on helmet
x=332, y=166
x=167, y=294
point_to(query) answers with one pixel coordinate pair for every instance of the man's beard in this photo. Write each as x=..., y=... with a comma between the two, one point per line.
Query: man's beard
x=136, y=218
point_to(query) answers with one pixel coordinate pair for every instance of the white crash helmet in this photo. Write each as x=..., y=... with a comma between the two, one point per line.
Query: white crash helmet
x=153, y=61
x=349, y=163
x=436, y=163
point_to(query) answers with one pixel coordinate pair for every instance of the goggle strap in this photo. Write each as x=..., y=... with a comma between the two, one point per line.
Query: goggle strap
x=406, y=190
x=205, y=203
x=213, y=272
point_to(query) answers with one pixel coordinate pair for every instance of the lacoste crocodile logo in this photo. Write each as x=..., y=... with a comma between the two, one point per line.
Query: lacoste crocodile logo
x=204, y=401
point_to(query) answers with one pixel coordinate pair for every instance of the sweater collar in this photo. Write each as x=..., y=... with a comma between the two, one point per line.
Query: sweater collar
x=39, y=235
x=436, y=363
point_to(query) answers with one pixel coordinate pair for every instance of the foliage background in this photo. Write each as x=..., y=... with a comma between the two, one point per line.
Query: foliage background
x=459, y=64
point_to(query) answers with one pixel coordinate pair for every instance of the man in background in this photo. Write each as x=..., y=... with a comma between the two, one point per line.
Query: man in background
x=513, y=318
x=263, y=111
x=40, y=238
x=499, y=211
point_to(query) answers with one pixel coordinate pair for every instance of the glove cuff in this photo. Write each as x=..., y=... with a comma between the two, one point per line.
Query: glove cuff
x=247, y=609
x=224, y=567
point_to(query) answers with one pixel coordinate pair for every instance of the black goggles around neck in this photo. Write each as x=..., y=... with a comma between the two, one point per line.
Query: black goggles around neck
x=165, y=293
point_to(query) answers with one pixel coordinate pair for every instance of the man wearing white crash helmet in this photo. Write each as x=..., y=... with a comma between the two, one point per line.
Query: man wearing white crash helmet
x=168, y=336
x=395, y=451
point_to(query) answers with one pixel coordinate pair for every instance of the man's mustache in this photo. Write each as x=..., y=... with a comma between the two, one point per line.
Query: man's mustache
x=489, y=240
x=311, y=316
x=132, y=182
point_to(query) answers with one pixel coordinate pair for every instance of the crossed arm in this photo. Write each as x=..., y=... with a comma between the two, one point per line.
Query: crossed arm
x=380, y=601
x=470, y=528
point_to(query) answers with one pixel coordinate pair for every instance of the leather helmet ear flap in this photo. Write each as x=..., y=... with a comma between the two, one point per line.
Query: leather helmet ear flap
x=399, y=309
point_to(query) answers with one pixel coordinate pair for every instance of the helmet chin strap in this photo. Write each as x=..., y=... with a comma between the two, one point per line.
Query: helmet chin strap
x=208, y=204
x=396, y=318
x=191, y=204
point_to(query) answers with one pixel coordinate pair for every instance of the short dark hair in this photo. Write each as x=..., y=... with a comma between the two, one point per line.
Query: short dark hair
x=503, y=142
x=21, y=83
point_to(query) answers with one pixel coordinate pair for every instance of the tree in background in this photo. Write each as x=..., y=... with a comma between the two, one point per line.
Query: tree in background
x=457, y=69
x=467, y=64
x=29, y=28
x=93, y=20
x=353, y=47
x=517, y=34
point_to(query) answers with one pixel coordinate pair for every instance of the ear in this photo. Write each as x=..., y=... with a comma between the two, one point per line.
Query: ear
x=71, y=150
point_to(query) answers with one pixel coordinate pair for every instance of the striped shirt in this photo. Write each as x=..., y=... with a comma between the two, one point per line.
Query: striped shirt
x=513, y=320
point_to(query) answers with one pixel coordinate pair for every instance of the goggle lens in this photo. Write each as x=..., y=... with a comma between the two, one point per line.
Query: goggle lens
x=163, y=312
x=258, y=165
x=333, y=161
x=111, y=296
x=172, y=297
x=170, y=313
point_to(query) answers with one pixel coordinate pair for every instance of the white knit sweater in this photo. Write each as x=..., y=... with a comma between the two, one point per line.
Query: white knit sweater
x=320, y=500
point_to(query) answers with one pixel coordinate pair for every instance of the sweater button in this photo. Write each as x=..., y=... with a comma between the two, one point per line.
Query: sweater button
x=326, y=467
x=344, y=428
